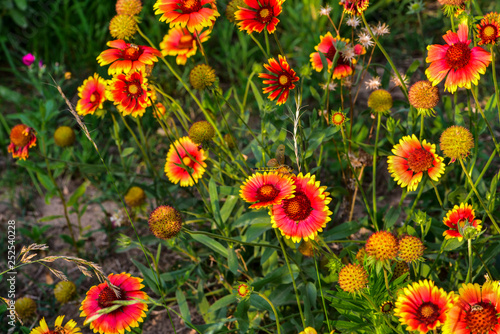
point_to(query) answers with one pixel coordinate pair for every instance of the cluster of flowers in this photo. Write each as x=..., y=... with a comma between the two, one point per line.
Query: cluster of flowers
x=298, y=204
x=422, y=306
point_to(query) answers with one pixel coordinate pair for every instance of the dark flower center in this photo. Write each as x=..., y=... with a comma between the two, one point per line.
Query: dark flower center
x=186, y=42
x=106, y=297
x=458, y=55
x=284, y=80
x=481, y=318
x=297, y=208
x=133, y=52
x=420, y=160
x=95, y=96
x=428, y=313
x=265, y=15
x=190, y=6
x=267, y=193
x=134, y=89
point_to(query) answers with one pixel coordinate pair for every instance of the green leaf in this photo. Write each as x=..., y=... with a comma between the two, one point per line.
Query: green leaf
x=10, y=95
x=149, y=276
x=458, y=195
x=183, y=305
x=210, y=243
x=256, y=230
x=391, y=217
x=78, y=193
x=66, y=238
x=228, y=207
x=21, y=4
x=128, y=151
x=232, y=261
x=18, y=18
x=45, y=181
x=49, y=218
x=315, y=94
x=214, y=201
x=253, y=217
x=223, y=302
x=452, y=244
x=256, y=94
x=413, y=67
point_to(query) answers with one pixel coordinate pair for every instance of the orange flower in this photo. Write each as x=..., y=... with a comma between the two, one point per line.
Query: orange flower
x=477, y=310
x=130, y=93
x=261, y=15
x=412, y=159
x=455, y=59
x=193, y=14
x=192, y=157
x=460, y=216
x=488, y=29
x=181, y=43
x=281, y=79
x=22, y=138
x=124, y=317
x=423, y=306
x=327, y=47
x=354, y=7
x=266, y=189
x=305, y=214
x=126, y=57
x=92, y=95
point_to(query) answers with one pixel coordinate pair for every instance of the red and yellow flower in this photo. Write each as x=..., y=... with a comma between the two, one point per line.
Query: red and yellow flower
x=130, y=93
x=126, y=57
x=423, y=306
x=185, y=153
x=262, y=14
x=305, y=214
x=281, y=79
x=125, y=317
x=266, y=189
x=327, y=47
x=193, y=14
x=488, y=30
x=456, y=60
x=354, y=7
x=460, y=216
x=92, y=95
x=181, y=43
x=68, y=328
x=476, y=310
x=22, y=138
x=412, y=159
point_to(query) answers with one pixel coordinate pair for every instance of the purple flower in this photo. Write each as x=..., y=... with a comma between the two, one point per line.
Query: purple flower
x=28, y=59
x=40, y=64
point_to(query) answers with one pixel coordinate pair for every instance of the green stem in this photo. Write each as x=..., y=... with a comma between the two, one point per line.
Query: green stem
x=443, y=246
x=492, y=156
x=478, y=196
x=321, y=291
x=437, y=194
x=421, y=127
x=291, y=275
x=279, y=44
x=497, y=92
x=389, y=60
x=386, y=279
x=374, y=166
x=469, y=272
x=415, y=202
x=478, y=107
x=216, y=236
x=266, y=54
x=274, y=310
x=365, y=200
x=266, y=36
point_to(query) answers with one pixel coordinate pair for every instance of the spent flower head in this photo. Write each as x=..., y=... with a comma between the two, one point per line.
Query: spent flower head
x=456, y=142
x=374, y=83
x=365, y=39
x=353, y=21
x=381, y=29
x=325, y=11
x=416, y=7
